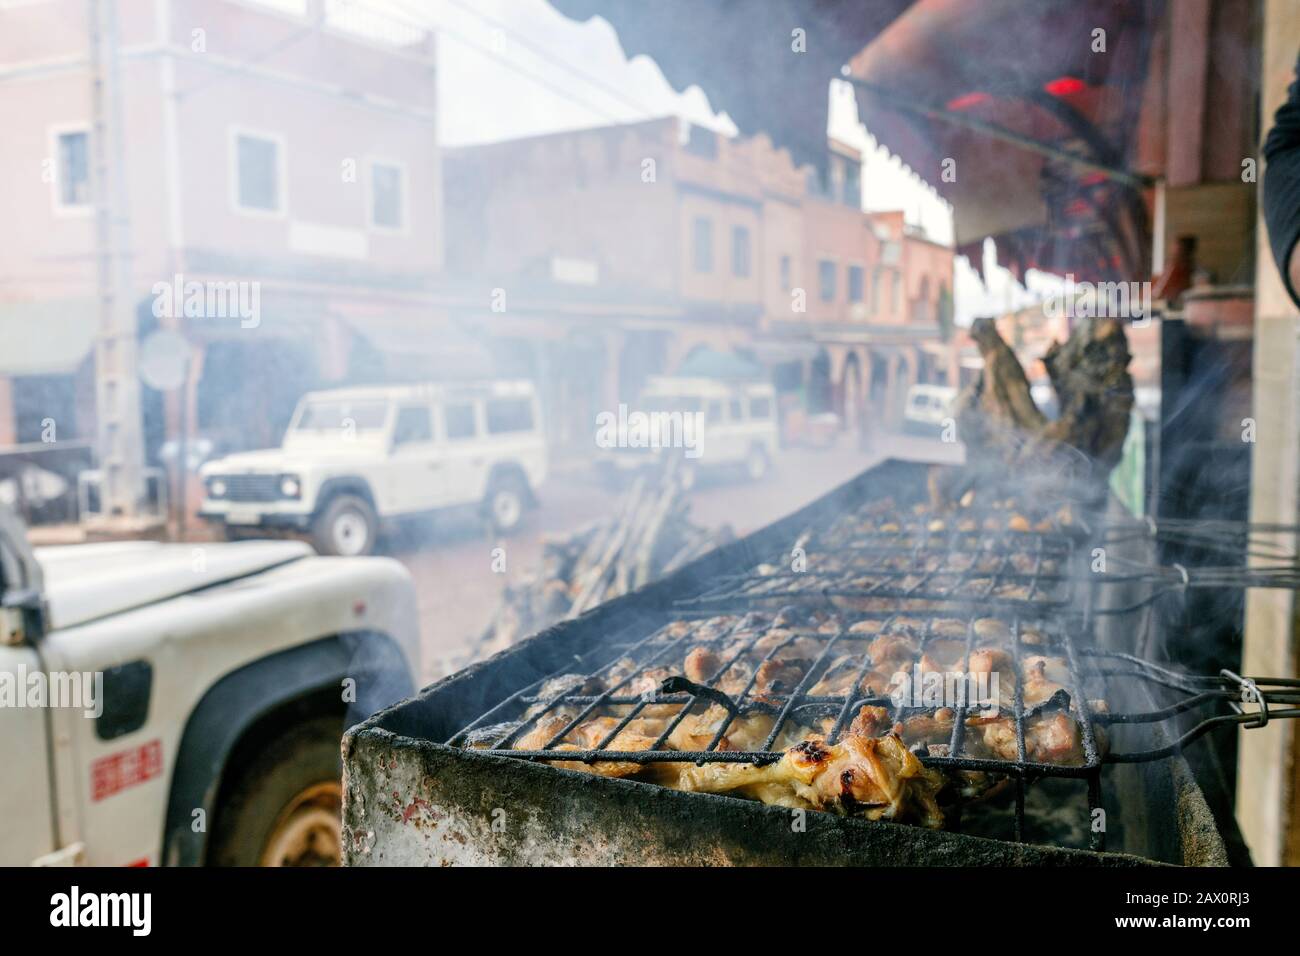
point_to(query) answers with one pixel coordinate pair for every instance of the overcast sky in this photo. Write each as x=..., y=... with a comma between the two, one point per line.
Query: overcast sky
x=514, y=68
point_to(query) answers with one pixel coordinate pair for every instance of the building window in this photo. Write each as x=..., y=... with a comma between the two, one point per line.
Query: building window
x=73, y=183
x=785, y=274
x=855, y=283
x=740, y=264
x=895, y=293
x=387, y=195
x=702, y=244
x=259, y=185
x=875, y=290
x=826, y=279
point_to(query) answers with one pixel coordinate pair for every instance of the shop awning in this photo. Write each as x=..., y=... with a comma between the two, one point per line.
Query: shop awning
x=705, y=362
x=426, y=346
x=740, y=53
x=46, y=338
x=1038, y=121
x=1023, y=115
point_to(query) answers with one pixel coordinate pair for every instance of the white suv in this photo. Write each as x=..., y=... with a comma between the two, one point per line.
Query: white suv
x=352, y=458
x=739, y=433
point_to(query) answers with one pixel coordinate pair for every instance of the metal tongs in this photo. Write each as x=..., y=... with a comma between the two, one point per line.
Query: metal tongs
x=1254, y=701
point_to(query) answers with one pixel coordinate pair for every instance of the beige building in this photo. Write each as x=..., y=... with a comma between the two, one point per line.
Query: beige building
x=258, y=181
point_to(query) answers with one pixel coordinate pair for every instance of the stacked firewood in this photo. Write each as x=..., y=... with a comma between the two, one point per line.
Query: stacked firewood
x=649, y=534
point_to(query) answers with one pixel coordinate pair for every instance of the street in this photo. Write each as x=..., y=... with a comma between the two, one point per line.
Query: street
x=452, y=560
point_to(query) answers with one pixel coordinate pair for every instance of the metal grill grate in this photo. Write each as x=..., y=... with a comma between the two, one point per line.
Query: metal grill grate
x=774, y=654
x=648, y=677
x=972, y=559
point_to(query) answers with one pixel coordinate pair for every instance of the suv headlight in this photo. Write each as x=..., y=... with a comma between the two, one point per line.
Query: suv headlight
x=290, y=486
x=217, y=487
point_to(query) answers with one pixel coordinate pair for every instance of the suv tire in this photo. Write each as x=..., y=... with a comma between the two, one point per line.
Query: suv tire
x=505, y=503
x=284, y=807
x=346, y=526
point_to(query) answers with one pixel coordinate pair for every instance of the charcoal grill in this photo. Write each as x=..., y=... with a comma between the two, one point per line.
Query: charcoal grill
x=429, y=780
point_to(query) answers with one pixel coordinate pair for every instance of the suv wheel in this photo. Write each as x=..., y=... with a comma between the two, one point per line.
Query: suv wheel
x=284, y=808
x=505, y=503
x=347, y=527
x=756, y=463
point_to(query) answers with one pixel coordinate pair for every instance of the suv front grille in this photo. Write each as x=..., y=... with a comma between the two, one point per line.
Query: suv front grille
x=252, y=487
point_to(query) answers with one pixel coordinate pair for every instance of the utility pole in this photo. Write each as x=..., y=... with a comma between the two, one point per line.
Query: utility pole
x=117, y=385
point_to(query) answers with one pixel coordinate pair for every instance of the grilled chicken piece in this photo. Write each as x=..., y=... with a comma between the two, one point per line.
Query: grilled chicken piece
x=638, y=735
x=991, y=660
x=701, y=664
x=874, y=777
x=573, y=684
x=1044, y=676
x=943, y=656
x=839, y=677
x=928, y=729
x=551, y=724
x=892, y=652
x=746, y=732
x=870, y=721
x=1049, y=738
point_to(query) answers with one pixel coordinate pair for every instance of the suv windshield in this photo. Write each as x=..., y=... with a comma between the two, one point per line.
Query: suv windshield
x=330, y=416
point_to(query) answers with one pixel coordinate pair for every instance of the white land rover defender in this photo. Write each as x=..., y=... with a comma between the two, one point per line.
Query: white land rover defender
x=184, y=704
x=355, y=457
x=738, y=429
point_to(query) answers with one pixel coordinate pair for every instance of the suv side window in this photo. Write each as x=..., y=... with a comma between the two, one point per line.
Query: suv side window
x=760, y=408
x=736, y=412
x=413, y=425
x=459, y=419
x=713, y=413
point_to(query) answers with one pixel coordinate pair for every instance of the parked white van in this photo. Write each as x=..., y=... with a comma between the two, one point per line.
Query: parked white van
x=927, y=408
x=355, y=457
x=738, y=428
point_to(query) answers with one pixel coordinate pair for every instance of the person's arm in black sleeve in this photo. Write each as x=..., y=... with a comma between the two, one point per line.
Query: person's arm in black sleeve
x=1282, y=186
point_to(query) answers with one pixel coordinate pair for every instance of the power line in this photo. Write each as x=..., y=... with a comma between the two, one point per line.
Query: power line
x=291, y=40
x=492, y=55
x=551, y=58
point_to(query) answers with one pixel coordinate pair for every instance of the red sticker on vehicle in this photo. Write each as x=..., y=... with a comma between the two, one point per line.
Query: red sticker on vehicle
x=118, y=771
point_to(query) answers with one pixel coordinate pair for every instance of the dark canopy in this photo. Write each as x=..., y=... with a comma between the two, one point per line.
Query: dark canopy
x=740, y=53
x=1040, y=124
